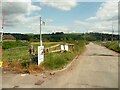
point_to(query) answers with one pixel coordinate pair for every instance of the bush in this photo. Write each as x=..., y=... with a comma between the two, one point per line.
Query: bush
x=57, y=60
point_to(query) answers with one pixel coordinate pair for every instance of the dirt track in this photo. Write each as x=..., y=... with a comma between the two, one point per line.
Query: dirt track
x=97, y=67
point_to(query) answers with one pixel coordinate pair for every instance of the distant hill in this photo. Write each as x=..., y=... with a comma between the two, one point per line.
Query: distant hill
x=60, y=36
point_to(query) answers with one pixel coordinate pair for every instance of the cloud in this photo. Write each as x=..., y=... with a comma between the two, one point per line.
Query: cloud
x=49, y=20
x=65, y=5
x=97, y=26
x=34, y=8
x=107, y=11
x=16, y=12
x=51, y=28
x=80, y=22
x=91, y=18
x=16, y=0
x=106, y=14
x=104, y=26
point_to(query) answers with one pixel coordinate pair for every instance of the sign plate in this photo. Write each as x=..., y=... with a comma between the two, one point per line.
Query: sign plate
x=40, y=54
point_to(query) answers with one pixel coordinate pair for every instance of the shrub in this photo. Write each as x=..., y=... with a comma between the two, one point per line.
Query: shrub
x=59, y=60
x=56, y=60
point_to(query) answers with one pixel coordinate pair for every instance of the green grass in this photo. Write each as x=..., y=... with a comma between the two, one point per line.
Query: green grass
x=15, y=54
x=59, y=60
x=52, y=60
x=111, y=45
x=16, y=51
x=9, y=45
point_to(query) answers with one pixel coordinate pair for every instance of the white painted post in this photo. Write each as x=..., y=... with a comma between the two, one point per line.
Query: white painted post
x=40, y=48
x=40, y=54
x=66, y=47
x=62, y=48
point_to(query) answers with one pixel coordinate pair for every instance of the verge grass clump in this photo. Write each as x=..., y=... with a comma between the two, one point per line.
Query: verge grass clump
x=111, y=45
x=59, y=60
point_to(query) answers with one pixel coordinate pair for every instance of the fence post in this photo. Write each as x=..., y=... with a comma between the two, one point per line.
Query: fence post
x=31, y=52
x=40, y=54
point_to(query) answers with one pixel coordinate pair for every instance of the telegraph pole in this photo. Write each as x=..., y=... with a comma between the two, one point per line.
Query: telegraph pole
x=1, y=37
x=41, y=47
x=112, y=31
x=101, y=36
x=2, y=23
x=40, y=33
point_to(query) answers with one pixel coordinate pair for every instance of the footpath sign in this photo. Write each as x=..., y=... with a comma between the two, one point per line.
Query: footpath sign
x=40, y=54
x=62, y=48
x=66, y=47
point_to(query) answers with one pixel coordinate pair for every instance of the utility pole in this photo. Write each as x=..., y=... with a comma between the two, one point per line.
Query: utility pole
x=40, y=33
x=41, y=47
x=1, y=37
x=112, y=31
x=101, y=36
x=2, y=23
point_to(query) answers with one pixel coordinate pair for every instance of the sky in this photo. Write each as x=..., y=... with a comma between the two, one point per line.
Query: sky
x=68, y=16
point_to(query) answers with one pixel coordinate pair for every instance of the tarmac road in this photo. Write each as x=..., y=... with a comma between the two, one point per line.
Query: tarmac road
x=97, y=67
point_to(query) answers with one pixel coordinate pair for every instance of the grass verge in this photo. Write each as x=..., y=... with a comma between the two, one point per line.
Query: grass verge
x=52, y=60
x=59, y=60
x=111, y=45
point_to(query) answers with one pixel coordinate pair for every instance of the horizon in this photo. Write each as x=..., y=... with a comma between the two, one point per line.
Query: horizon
x=55, y=33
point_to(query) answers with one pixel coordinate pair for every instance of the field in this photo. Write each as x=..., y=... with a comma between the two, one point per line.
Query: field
x=18, y=59
x=13, y=51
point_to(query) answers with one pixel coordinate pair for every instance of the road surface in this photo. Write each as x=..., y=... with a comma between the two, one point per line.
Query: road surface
x=97, y=67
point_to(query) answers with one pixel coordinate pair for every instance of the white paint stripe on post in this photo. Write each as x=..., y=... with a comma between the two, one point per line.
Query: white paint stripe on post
x=66, y=47
x=40, y=54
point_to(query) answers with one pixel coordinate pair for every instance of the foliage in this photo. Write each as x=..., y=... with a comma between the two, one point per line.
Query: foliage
x=60, y=36
x=111, y=45
x=16, y=54
x=59, y=60
x=8, y=45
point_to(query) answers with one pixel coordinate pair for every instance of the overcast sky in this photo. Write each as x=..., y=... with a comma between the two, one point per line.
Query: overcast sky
x=69, y=16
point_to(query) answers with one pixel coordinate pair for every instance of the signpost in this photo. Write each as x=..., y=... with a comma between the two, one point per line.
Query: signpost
x=66, y=47
x=40, y=54
x=41, y=47
x=62, y=47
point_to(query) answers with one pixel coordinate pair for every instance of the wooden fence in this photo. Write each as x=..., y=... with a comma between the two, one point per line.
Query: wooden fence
x=59, y=48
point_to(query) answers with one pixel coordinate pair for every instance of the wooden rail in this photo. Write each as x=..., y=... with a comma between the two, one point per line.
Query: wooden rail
x=56, y=48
